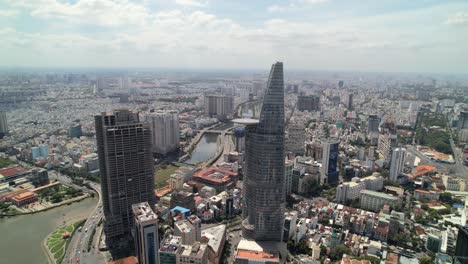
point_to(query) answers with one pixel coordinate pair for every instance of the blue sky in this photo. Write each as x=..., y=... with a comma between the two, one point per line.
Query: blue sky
x=365, y=35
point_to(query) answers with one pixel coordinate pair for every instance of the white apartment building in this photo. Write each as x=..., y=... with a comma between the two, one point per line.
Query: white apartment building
x=374, y=201
x=164, y=130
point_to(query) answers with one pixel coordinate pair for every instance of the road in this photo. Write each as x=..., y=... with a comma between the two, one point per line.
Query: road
x=77, y=251
x=457, y=169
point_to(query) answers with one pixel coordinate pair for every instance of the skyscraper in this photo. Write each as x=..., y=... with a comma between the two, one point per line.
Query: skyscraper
x=263, y=210
x=461, y=254
x=219, y=106
x=308, y=103
x=373, y=122
x=3, y=124
x=397, y=163
x=126, y=166
x=165, y=131
x=145, y=233
x=330, y=174
x=463, y=120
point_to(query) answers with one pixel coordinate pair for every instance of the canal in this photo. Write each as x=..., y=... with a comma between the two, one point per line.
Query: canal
x=22, y=236
x=204, y=150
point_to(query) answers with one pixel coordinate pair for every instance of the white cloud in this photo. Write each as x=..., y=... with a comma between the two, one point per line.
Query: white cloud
x=184, y=38
x=459, y=18
x=94, y=12
x=191, y=3
x=294, y=5
x=9, y=13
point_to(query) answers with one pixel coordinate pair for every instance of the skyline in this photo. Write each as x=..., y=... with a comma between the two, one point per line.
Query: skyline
x=313, y=35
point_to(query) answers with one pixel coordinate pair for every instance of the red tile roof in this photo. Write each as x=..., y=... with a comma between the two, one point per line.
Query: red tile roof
x=11, y=171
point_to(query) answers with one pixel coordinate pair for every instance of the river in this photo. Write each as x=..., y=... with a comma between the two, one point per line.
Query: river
x=204, y=150
x=22, y=236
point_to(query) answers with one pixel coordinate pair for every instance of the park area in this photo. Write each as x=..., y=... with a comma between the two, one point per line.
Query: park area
x=162, y=174
x=58, y=241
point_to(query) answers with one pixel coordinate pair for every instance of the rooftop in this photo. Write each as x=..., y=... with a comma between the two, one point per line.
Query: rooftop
x=143, y=212
x=171, y=244
x=378, y=194
x=215, y=236
x=11, y=171
x=215, y=174
x=246, y=121
x=249, y=254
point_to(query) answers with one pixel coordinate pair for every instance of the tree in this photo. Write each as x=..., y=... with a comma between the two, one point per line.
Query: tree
x=337, y=252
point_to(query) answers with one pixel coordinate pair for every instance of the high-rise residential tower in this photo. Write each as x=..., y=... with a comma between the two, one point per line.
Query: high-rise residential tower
x=219, y=106
x=330, y=174
x=263, y=210
x=126, y=167
x=145, y=234
x=397, y=164
x=3, y=124
x=165, y=131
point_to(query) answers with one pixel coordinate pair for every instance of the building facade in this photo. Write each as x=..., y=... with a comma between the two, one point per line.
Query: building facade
x=145, y=234
x=374, y=201
x=330, y=174
x=308, y=103
x=126, y=168
x=3, y=124
x=397, y=164
x=264, y=197
x=164, y=131
x=219, y=106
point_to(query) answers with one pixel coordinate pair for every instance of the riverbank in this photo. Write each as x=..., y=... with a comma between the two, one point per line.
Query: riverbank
x=57, y=242
x=67, y=202
x=28, y=231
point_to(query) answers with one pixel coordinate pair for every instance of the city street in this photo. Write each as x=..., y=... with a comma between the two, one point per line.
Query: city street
x=77, y=252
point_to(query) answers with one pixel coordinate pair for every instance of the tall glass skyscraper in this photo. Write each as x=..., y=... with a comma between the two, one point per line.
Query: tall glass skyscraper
x=126, y=166
x=263, y=210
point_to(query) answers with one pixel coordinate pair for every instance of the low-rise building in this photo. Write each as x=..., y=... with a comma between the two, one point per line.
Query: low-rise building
x=24, y=198
x=169, y=250
x=186, y=231
x=214, y=237
x=420, y=194
x=372, y=200
x=217, y=178
x=195, y=253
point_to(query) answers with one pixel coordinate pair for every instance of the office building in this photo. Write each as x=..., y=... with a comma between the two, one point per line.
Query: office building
x=264, y=197
x=75, y=131
x=397, y=164
x=169, y=250
x=433, y=242
x=145, y=234
x=308, y=103
x=126, y=168
x=373, y=122
x=219, y=106
x=39, y=177
x=462, y=120
x=164, y=130
x=330, y=174
x=461, y=252
x=183, y=199
x=295, y=138
x=374, y=201
x=288, y=175
x=3, y=124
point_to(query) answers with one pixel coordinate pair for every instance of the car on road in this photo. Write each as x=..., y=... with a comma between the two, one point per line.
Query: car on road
x=77, y=260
